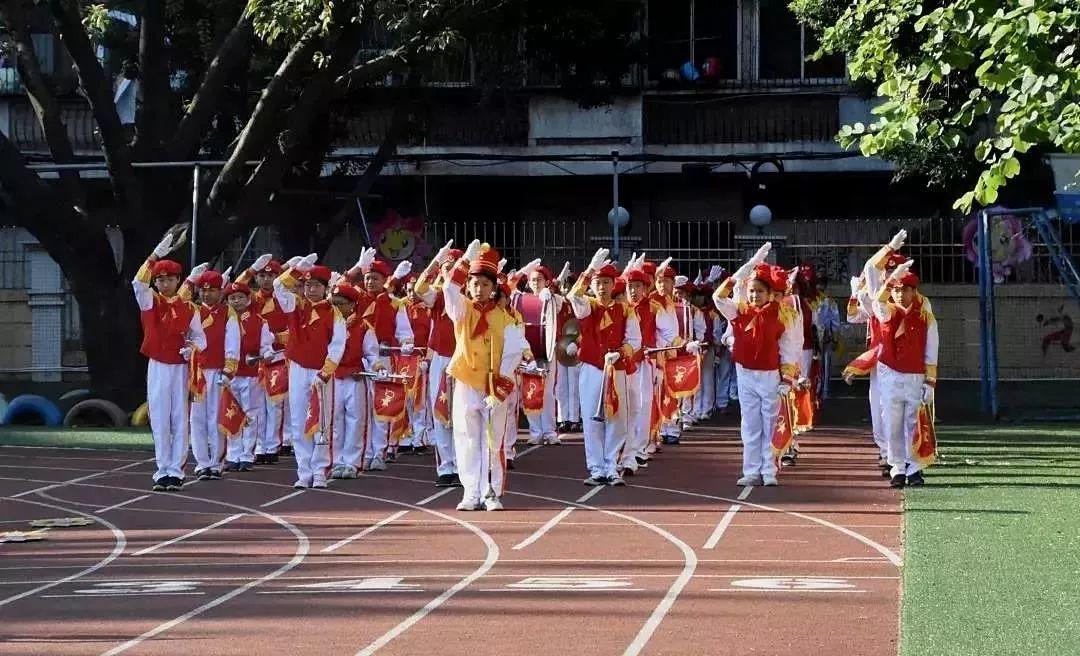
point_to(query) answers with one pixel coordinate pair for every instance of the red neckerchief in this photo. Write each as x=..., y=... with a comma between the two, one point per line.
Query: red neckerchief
x=482, y=307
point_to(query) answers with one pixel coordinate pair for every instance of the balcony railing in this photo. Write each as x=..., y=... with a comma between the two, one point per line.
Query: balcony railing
x=25, y=130
x=670, y=120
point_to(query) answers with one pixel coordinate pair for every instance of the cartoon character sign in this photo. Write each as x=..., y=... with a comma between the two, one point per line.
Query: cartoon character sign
x=400, y=238
x=1008, y=244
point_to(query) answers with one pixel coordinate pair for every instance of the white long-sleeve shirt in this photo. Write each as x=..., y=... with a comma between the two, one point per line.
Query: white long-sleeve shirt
x=145, y=297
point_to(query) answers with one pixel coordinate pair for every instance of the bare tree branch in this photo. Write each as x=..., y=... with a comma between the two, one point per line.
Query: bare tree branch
x=153, y=80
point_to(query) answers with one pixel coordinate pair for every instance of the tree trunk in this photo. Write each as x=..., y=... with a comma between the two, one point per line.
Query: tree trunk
x=111, y=334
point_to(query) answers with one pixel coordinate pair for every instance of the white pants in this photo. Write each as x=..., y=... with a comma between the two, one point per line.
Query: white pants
x=273, y=424
x=542, y=424
x=566, y=394
x=312, y=460
x=723, y=373
x=207, y=443
x=350, y=422
x=420, y=420
x=603, y=440
x=378, y=431
x=441, y=435
x=167, y=405
x=250, y=397
x=482, y=469
x=901, y=395
x=706, y=396
x=760, y=404
x=639, y=386
x=510, y=423
x=877, y=421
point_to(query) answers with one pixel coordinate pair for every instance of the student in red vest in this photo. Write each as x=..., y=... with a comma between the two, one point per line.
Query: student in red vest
x=207, y=443
x=316, y=343
x=441, y=345
x=691, y=324
x=907, y=366
x=610, y=335
x=248, y=340
x=768, y=342
x=275, y=427
x=567, y=406
x=420, y=320
x=350, y=388
x=171, y=332
x=488, y=351
x=540, y=308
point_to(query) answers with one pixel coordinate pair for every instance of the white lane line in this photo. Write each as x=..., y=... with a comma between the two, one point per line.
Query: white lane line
x=528, y=451
x=198, y=531
x=745, y=492
x=120, y=543
x=554, y=521
x=721, y=527
x=440, y=493
x=80, y=479
x=274, y=502
x=124, y=503
x=371, y=529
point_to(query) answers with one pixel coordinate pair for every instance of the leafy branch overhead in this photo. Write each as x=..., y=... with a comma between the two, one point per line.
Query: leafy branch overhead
x=994, y=78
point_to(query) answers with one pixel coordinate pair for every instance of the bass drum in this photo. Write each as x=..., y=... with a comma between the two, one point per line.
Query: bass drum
x=570, y=333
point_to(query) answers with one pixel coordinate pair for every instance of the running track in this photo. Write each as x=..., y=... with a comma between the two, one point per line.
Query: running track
x=679, y=562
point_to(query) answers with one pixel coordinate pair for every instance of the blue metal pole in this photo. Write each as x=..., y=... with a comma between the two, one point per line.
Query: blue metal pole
x=615, y=205
x=988, y=343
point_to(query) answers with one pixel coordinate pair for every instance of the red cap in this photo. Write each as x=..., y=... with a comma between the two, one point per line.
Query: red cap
x=909, y=279
x=669, y=272
x=454, y=255
x=807, y=273
x=237, y=288
x=210, y=280
x=544, y=271
x=607, y=271
x=320, y=273
x=381, y=268
x=649, y=268
x=487, y=263
x=346, y=291
x=273, y=266
x=166, y=268
x=894, y=260
x=774, y=277
x=619, y=287
x=637, y=275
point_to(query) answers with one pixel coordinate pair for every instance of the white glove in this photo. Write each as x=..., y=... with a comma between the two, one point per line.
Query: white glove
x=335, y=278
x=424, y=364
x=403, y=269
x=502, y=264
x=897, y=242
x=598, y=259
x=441, y=256
x=226, y=276
x=715, y=272
x=531, y=367
x=307, y=262
x=791, y=278
x=472, y=250
x=927, y=394
x=571, y=349
x=367, y=256
x=856, y=282
x=318, y=382
x=663, y=265
x=528, y=269
x=293, y=261
x=681, y=280
x=491, y=402
x=762, y=253
x=545, y=295
x=693, y=348
x=802, y=383
x=260, y=262
x=611, y=358
x=784, y=389
x=901, y=270
x=564, y=274
x=697, y=281
x=185, y=352
x=407, y=348
x=197, y=271
x=743, y=272
x=164, y=247
x=631, y=264
x=382, y=374
x=728, y=341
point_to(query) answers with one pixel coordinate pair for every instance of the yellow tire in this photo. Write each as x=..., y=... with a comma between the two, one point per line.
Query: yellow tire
x=141, y=416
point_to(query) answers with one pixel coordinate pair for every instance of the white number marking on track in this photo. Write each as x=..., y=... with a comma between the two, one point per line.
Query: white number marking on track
x=369, y=584
x=802, y=583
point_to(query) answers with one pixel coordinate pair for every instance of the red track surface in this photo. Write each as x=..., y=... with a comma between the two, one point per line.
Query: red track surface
x=799, y=569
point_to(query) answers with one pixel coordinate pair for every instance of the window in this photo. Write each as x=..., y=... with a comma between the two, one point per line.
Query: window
x=783, y=46
x=704, y=32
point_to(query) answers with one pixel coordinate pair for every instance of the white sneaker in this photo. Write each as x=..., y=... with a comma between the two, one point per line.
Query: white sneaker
x=553, y=440
x=492, y=504
x=748, y=480
x=770, y=481
x=467, y=505
x=350, y=472
x=615, y=480
x=535, y=441
x=301, y=485
x=319, y=484
x=377, y=464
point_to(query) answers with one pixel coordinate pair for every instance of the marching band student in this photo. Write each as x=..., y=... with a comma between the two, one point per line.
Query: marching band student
x=568, y=406
x=487, y=352
x=907, y=366
x=513, y=401
x=441, y=346
x=610, y=335
x=207, y=444
x=350, y=389
x=172, y=330
x=275, y=436
x=766, y=352
x=420, y=320
x=664, y=293
x=316, y=343
x=542, y=427
x=248, y=340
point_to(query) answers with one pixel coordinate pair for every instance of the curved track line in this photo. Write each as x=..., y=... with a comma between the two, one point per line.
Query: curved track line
x=407, y=623
x=119, y=544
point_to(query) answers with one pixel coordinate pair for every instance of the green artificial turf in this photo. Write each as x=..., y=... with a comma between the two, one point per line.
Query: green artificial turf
x=126, y=439
x=992, y=545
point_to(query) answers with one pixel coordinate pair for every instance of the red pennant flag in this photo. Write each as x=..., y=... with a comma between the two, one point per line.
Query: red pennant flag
x=231, y=416
x=442, y=401
x=783, y=433
x=196, y=379
x=275, y=380
x=313, y=420
x=815, y=381
x=388, y=397
x=400, y=428
x=804, y=410
x=611, y=395
x=682, y=375
x=862, y=365
x=924, y=441
x=407, y=365
x=532, y=393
